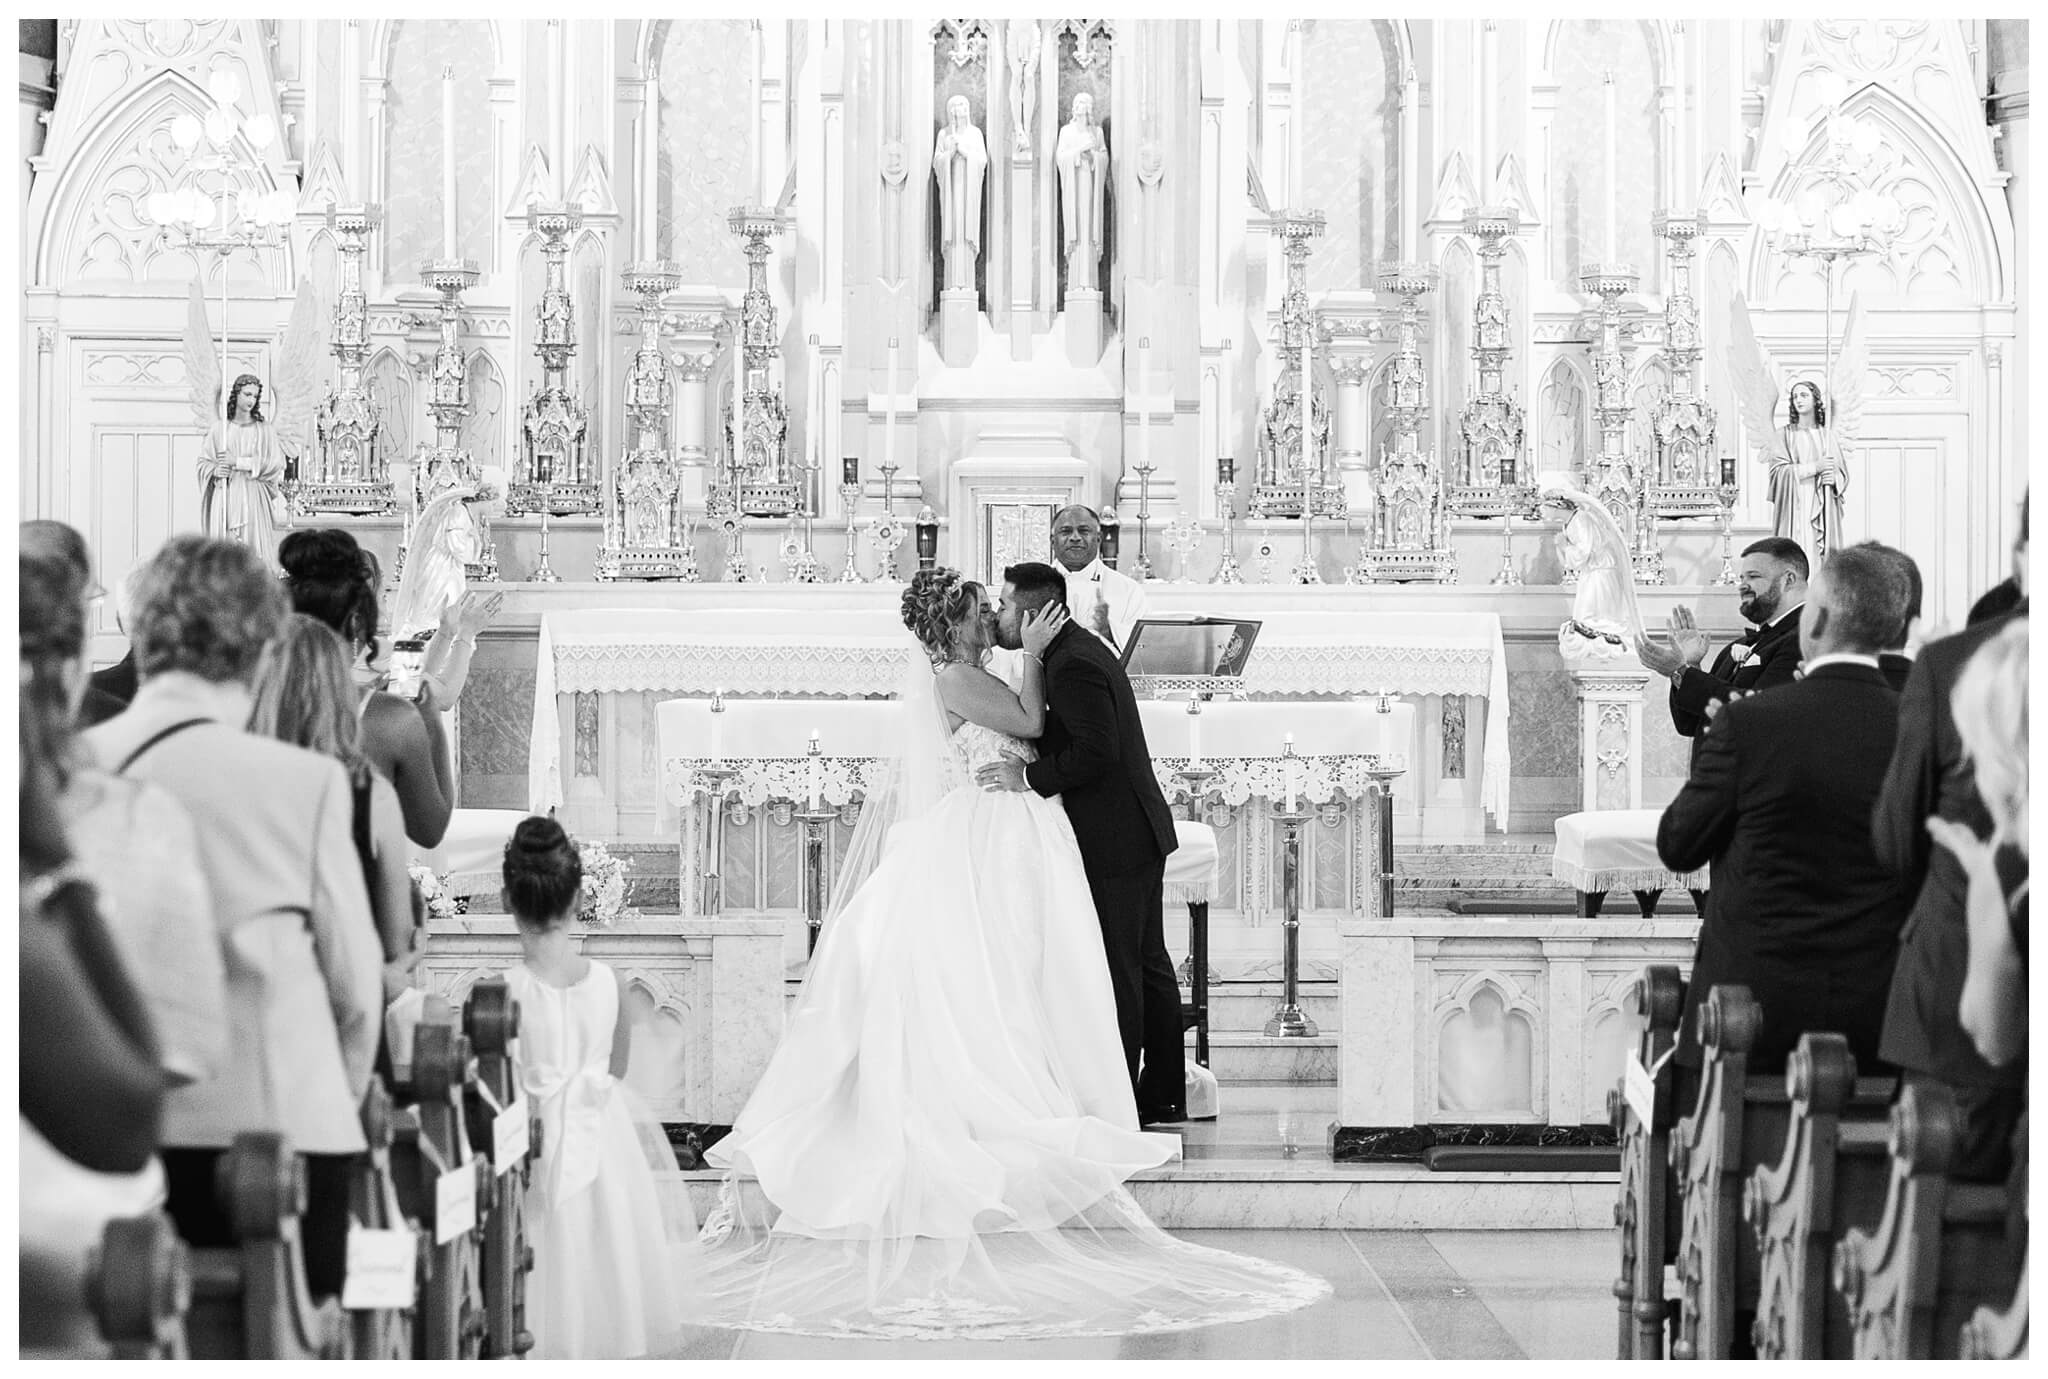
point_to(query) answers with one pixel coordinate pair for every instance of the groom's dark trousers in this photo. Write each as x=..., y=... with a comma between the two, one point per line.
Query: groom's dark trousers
x=1093, y=756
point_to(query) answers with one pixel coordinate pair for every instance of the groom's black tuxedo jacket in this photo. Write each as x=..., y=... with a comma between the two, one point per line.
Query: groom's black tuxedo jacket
x=1093, y=755
x=1774, y=655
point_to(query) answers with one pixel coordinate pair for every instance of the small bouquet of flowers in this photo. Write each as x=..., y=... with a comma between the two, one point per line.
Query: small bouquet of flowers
x=604, y=887
x=440, y=902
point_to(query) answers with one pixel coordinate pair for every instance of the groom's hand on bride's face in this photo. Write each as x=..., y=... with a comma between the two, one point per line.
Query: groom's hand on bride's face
x=1006, y=774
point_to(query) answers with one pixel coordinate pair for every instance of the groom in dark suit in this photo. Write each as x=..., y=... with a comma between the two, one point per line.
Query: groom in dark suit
x=1773, y=589
x=1779, y=801
x=1093, y=756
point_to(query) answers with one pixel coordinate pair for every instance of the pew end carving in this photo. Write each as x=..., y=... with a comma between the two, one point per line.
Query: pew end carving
x=490, y=1020
x=1830, y=1177
x=449, y=1324
x=1645, y=1212
x=374, y=1203
x=138, y=1287
x=1939, y=1251
x=250, y=1301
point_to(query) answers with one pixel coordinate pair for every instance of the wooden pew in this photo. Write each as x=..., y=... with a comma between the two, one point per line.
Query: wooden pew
x=374, y=1202
x=250, y=1302
x=449, y=1324
x=138, y=1286
x=490, y=1019
x=1938, y=1253
x=1645, y=1213
x=1999, y=1333
x=1831, y=1177
x=1738, y=1126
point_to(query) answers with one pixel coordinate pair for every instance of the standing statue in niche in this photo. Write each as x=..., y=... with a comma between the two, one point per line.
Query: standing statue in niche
x=242, y=460
x=959, y=162
x=1808, y=471
x=1082, y=156
x=1020, y=42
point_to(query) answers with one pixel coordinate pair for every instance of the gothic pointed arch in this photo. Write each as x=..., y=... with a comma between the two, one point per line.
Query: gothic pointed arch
x=95, y=225
x=1950, y=245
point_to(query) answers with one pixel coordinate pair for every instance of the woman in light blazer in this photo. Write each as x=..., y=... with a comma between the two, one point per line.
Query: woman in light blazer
x=303, y=961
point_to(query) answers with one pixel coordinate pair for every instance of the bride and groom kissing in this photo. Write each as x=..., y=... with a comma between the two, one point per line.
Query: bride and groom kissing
x=940, y=1141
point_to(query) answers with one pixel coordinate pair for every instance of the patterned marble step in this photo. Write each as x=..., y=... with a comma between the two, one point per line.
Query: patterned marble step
x=1242, y=1056
x=1309, y=1192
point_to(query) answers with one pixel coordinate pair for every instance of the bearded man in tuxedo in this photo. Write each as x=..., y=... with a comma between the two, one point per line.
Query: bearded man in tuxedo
x=1772, y=583
x=1779, y=801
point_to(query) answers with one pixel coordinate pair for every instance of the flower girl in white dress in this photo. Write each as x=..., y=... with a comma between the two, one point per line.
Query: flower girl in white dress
x=604, y=1280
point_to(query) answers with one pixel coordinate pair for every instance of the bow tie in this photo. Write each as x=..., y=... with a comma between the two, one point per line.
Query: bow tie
x=1749, y=637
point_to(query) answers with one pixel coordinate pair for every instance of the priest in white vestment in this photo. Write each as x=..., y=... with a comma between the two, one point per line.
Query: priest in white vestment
x=1102, y=600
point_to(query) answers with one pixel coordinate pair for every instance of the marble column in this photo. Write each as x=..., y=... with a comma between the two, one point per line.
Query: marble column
x=1610, y=735
x=692, y=453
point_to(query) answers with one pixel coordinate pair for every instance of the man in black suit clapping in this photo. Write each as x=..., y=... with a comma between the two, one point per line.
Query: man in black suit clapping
x=1773, y=587
x=1779, y=801
x=1094, y=757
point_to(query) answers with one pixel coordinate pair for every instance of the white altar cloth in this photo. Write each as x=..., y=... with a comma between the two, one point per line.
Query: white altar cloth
x=854, y=652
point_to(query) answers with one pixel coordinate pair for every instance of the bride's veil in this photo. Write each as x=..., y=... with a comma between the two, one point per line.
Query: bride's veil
x=916, y=766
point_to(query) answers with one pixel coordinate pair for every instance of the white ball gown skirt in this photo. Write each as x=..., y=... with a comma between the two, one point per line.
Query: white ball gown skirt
x=942, y=1135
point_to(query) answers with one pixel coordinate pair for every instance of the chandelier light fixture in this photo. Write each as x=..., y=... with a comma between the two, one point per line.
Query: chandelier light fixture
x=233, y=216
x=1835, y=212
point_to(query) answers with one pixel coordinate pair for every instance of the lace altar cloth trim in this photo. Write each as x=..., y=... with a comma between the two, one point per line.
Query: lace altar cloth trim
x=741, y=670
x=613, y=668
x=846, y=780
x=763, y=653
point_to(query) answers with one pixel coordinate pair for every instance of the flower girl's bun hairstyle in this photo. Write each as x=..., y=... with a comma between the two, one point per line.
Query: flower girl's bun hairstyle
x=335, y=580
x=542, y=870
x=933, y=606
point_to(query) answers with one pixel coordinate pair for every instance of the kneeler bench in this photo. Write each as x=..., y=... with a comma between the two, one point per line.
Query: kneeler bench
x=1191, y=880
x=1600, y=850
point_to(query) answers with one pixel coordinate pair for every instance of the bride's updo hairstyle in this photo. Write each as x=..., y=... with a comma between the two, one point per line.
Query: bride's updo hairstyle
x=935, y=604
x=542, y=871
x=333, y=579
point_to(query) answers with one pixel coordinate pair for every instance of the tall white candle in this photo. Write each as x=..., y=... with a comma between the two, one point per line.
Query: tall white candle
x=1486, y=99
x=718, y=725
x=889, y=420
x=1688, y=183
x=1411, y=165
x=448, y=239
x=1144, y=403
x=650, y=167
x=757, y=192
x=1609, y=189
x=558, y=126
x=1287, y=768
x=814, y=780
x=1194, y=733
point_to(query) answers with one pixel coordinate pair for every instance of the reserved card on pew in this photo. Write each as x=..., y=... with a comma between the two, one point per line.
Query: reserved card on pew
x=383, y=1269
x=1638, y=1087
x=511, y=1133
x=454, y=1203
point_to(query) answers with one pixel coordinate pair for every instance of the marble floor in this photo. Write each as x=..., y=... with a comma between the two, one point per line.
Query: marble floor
x=1396, y=1294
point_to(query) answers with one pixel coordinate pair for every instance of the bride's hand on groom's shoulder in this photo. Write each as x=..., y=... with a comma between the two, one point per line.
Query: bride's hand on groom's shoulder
x=1040, y=626
x=1007, y=773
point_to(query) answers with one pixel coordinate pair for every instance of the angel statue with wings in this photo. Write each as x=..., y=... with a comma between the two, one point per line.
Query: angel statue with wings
x=1606, y=619
x=1808, y=474
x=242, y=460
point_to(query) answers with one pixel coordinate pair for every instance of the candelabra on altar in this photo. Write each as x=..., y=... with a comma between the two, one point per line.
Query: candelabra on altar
x=1227, y=571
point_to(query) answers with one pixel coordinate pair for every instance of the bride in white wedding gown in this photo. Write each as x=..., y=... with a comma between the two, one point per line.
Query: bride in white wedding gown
x=938, y=1146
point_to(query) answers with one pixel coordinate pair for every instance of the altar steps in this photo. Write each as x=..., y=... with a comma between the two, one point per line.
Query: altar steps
x=1264, y=1163
x=1510, y=873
